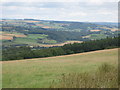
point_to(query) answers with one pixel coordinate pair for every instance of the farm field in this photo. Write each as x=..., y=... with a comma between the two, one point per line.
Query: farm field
x=9, y=36
x=36, y=36
x=30, y=39
x=60, y=44
x=95, y=36
x=40, y=72
x=45, y=33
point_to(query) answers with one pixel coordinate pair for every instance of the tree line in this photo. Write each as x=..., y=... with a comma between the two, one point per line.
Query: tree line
x=17, y=53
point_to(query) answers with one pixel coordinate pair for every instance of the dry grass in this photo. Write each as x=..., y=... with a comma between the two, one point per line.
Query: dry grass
x=8, y=36
x=60, y=44
x=112, y=29
x=40, y=72
x=116, y=29
x=46, y=27
x=95, y=30
x=105, y=77
x=16, y=35
x=39, y=25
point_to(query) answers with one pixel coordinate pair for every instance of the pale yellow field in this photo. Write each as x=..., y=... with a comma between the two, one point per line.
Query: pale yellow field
x=112, y=29
x=60, y=44
x=9, y=36
x=95, y=30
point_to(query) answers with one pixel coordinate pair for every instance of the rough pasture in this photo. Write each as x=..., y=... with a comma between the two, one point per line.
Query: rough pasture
x=40, y=72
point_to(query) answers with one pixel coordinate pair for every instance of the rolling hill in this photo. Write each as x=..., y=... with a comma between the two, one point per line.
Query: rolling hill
x=31, y=32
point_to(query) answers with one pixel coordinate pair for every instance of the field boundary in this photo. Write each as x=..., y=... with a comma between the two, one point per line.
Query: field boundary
x=61, y=55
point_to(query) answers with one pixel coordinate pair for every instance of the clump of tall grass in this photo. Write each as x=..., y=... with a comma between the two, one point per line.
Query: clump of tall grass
x=106, y=76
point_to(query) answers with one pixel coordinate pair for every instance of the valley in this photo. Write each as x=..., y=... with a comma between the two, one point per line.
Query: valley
x=43, y=33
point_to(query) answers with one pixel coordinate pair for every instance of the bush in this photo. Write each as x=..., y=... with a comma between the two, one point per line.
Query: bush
x=105, y=77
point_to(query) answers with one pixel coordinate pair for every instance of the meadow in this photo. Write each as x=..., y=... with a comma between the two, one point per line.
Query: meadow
x=30, y=39
x=95, y=36
x=41, y=72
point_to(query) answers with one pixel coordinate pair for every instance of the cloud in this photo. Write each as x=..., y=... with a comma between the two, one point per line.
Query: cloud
x=69, y=11
x=92, y=1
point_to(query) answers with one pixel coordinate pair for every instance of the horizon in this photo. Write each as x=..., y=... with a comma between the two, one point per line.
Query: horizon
x=52, y=20
x=95, y=11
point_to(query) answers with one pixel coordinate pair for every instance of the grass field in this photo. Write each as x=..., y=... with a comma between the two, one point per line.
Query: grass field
x=32, y=39
x=97, y=36
x=40, y=72
x=36, y=36
x=25, y=41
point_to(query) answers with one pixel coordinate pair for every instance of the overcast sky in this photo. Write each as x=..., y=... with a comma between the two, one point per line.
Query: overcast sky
x=65, y=10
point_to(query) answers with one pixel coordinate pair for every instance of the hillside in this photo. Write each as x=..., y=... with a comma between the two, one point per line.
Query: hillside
x=44, y=33
x=19, y=53
x=40, y=72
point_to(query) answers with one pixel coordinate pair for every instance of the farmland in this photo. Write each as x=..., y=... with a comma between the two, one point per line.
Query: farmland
x=45, y=33
x=32, y=39
x=9, y=36
x=95, y=36
x=60, y=44
x=40, y=72
x=25, y=39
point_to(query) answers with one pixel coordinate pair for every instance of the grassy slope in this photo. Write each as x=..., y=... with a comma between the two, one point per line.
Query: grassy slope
x=40, y=73
x=32, y=39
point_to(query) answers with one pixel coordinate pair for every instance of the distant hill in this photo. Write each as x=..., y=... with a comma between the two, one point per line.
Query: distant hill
x=34, y=32
x=107, y=23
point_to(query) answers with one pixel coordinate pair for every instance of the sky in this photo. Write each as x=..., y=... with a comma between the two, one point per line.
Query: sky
x=61, y=10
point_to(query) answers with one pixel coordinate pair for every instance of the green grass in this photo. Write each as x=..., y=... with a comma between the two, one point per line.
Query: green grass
x=97, y=36
x=36, y=36
x=25, y=41
x=17, y=33
x=0, y=73
x=106, y=76
x=40, y=73
x=49, y=41
x=32, y=39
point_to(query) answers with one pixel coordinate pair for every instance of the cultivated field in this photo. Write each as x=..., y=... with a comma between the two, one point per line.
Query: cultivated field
x=95, y=30
x=40, y=72
x=60, y=44
x=95, y=36
x=9, y=36
x=31, y=39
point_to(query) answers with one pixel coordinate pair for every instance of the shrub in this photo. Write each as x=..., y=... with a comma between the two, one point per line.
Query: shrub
x=105, y=77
